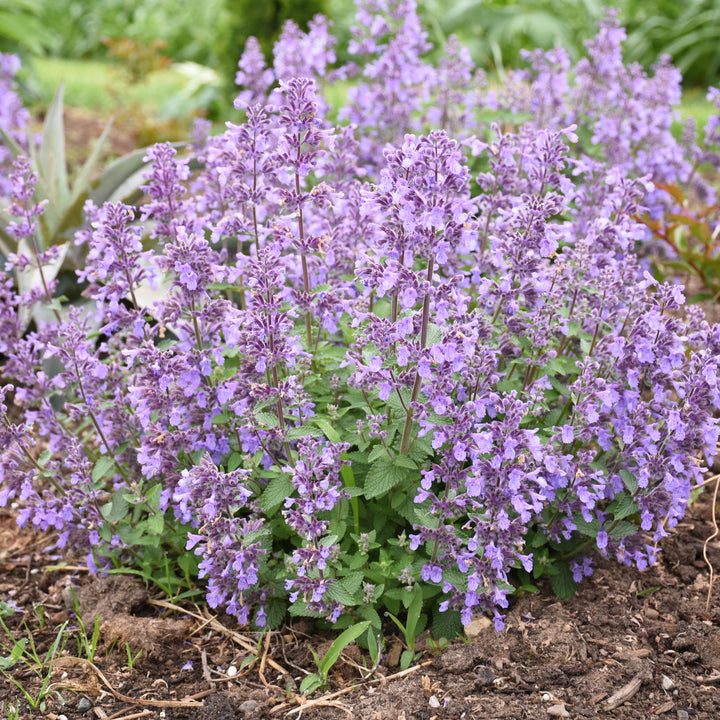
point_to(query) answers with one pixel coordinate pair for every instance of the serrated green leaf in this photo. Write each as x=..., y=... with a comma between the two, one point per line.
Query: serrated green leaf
x=382, y=477
x=152, y=496
x=337, y=591
x=446, y=624
x=588, y=529
x=277, y=490
x=394, y=401
x=300, y=609
x=629, y=480
x=156, y=523
x=267, y=419
x=622, y=529
x=561, y=387
x=102, y=467
x=562, y=365
x=371, y=614
x=44, y=458
x=354, y=492
x=353, y=581
x=623, y=507
x=421, y=449
x=402, y=461
x=434, y=334
x=562, y=582
x=377, y=452
x=275, y=611
x=303, y=431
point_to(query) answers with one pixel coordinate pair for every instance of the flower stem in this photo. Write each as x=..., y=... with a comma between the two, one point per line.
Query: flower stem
x=407, y=429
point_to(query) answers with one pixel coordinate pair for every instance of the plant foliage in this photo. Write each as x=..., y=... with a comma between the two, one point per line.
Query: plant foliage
x=383, y=370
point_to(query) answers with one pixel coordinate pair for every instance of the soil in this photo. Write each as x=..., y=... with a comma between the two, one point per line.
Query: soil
x=630, y=645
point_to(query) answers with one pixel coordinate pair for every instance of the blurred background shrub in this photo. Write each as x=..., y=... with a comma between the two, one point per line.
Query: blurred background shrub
x=81, y=28
x=213, y=32
x=496, y=31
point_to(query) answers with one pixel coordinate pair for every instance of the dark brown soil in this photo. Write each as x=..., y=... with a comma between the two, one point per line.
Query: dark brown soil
x=630, y=645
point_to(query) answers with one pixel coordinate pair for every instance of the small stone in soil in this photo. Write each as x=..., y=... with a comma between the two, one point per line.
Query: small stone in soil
x=248, y=708
x=558, y=711
x=83, y=705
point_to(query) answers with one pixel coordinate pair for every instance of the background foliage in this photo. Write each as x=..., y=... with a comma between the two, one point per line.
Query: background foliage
x=213, y=32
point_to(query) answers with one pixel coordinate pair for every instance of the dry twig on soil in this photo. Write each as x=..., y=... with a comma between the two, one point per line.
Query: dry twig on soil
x=716, y=532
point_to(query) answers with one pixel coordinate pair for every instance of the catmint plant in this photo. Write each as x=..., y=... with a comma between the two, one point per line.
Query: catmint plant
x=402, y=364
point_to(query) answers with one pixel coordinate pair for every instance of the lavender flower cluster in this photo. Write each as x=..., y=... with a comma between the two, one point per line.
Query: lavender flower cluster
x=415, y=348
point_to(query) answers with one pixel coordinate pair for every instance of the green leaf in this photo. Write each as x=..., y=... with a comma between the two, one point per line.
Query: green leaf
x=373, y=647
x=339, y=644
x=377, y=452
x=24, y=30
x=622, y=529
x=277, y=490
x=434, y=334
x=121, y=180
x=413, y=616
x=44, y=458
x=156, y=523
x=406, y=659
x=623, y=507
x=82, y=181
x=402, y=461
x=371, y=614
x=267, y=419
x=15, y=654
x=117, y=508
x=588, y=529
x=629, y=480
x=52, y=165
x=446, y=624
x=329, y=431
x=303, y=431
x=561, y=387
x=340, y=593
x=234, y=461
x=562, y=582
x=102, y=467
x=353, y=581
x=311, y=683
x=382, y=477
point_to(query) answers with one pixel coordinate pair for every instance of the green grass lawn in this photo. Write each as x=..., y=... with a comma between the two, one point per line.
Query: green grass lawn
x=103, y=86
x=695, y=104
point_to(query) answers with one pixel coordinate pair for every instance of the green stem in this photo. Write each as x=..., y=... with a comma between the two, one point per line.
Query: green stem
x=407, y=429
